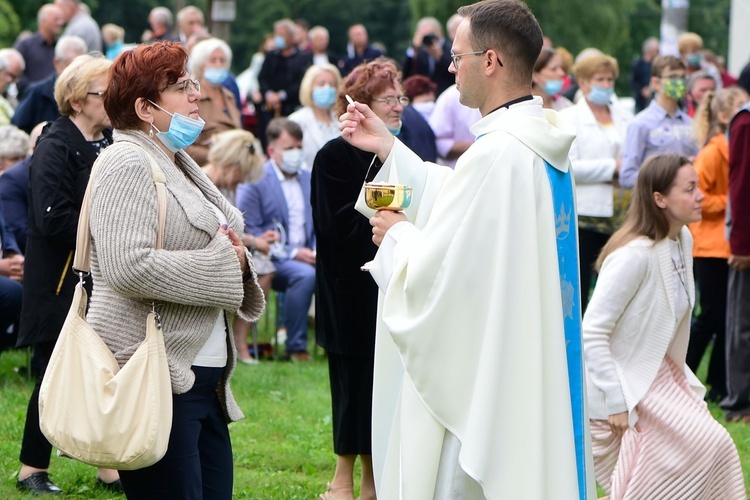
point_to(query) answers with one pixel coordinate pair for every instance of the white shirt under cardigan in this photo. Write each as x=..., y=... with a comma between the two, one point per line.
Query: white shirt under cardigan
x=633, y=321
x=213, y=354
x=593, y=156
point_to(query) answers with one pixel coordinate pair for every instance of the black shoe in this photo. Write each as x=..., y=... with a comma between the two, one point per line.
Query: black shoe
x=39, y=484
x=114, y=486
x=738, y=416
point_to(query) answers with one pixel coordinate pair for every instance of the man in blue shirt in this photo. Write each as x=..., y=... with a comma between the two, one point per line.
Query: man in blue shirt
x=662, y=127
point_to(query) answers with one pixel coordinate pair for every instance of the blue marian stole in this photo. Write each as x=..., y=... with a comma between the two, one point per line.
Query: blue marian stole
x=567, y=255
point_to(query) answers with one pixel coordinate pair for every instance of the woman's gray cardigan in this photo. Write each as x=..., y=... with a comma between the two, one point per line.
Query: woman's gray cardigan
x=196, y=272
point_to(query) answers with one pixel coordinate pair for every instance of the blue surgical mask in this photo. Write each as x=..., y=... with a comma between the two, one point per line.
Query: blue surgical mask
x=183, y=130
x=280, y=42
x=291, y=161
x=552, y=87
x=324, y=96
x=694, y=60
x=215, y=76
x=600, y=96
x=394, y=130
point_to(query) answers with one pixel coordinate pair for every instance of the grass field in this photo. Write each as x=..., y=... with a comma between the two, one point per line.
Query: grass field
x=282, y=449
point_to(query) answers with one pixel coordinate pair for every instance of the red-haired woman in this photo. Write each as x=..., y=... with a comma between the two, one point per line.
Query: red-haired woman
x=200, y=280
x=346, y=298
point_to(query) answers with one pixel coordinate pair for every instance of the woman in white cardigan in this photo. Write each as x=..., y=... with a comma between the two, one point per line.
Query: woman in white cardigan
x=652, y=434
x=595, y=158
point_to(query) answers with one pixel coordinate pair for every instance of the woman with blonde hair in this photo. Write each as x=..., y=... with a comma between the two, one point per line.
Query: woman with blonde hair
x=58, y=176
x=233, y=158
x=652, y=434
x=711, y=249
x=595, y=156
x=317, y=117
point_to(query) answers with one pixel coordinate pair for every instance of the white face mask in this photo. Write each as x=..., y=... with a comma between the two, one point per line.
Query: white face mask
x=424, y=107
x=291, y=161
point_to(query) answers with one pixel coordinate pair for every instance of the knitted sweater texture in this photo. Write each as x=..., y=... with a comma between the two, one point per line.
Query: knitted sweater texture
x=196, y=274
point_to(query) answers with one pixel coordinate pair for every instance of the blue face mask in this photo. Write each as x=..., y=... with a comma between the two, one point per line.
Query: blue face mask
x=552, y=87
x=215, y=76
x=600, y=95
x=183, y=130
x=280, y=42
x=394, y=130
x=324, y=96
x=694, y=60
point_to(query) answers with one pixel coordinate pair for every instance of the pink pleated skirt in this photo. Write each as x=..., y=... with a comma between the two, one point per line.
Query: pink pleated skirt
x=677, y=450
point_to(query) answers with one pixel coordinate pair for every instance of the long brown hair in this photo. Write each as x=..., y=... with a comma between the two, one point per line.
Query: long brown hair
x=645, y=218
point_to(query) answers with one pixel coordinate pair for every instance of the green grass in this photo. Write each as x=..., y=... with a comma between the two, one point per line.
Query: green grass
x=282, y=449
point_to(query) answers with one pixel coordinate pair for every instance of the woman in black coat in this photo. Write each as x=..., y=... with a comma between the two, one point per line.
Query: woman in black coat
x=59, y=173
x=346, y=298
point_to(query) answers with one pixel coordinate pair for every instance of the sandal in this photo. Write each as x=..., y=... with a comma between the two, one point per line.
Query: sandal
x=330, y=495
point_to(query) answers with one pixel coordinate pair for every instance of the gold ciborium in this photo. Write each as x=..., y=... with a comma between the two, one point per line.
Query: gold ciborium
x=395, y=197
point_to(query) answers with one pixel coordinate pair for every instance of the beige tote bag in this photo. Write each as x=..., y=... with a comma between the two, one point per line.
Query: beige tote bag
x=91, y=409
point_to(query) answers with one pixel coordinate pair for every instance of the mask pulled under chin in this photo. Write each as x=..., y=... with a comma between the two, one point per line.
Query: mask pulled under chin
x=183, y=131
x=395, y=130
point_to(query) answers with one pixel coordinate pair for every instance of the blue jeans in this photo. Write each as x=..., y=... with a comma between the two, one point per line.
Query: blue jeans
x=297, y=280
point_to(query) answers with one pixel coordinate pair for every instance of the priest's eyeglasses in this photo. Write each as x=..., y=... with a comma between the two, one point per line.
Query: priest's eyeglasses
x=188, y=86
x=457, y=57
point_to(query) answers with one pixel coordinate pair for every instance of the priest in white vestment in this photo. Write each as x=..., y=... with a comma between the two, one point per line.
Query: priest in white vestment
x=474, y=394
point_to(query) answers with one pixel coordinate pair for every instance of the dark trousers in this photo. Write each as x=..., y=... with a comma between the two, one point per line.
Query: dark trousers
x=198, y=462
x=10, y=309
x=738, y=342
x=351, y=401
x=590, y=244
x=35, y=449
x=711, y=275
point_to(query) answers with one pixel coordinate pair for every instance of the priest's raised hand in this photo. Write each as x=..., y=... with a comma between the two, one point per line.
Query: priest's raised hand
x=363, y=129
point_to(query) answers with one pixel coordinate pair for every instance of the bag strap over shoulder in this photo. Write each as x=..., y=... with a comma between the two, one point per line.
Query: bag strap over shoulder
x=82, y=259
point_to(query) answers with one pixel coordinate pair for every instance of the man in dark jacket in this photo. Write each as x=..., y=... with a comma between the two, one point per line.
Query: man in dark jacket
x=357, y=50
x=737, y=402
x=640, y=74
x=281, y=75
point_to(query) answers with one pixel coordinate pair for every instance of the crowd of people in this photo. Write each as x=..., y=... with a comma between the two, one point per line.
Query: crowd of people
x=558, y=233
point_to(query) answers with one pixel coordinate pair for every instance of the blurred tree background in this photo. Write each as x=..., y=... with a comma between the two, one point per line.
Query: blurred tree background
x=617, y=27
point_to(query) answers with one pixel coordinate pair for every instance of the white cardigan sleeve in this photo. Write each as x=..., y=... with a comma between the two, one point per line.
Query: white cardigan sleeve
x=620, y=278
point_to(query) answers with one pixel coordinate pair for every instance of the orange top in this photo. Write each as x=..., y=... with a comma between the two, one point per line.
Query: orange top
x=712, y=164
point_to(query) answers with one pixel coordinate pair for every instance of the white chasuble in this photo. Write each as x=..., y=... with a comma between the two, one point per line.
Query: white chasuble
x=471, y=396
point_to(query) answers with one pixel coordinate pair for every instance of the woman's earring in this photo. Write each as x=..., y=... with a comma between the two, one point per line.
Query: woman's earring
x=151, y=131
